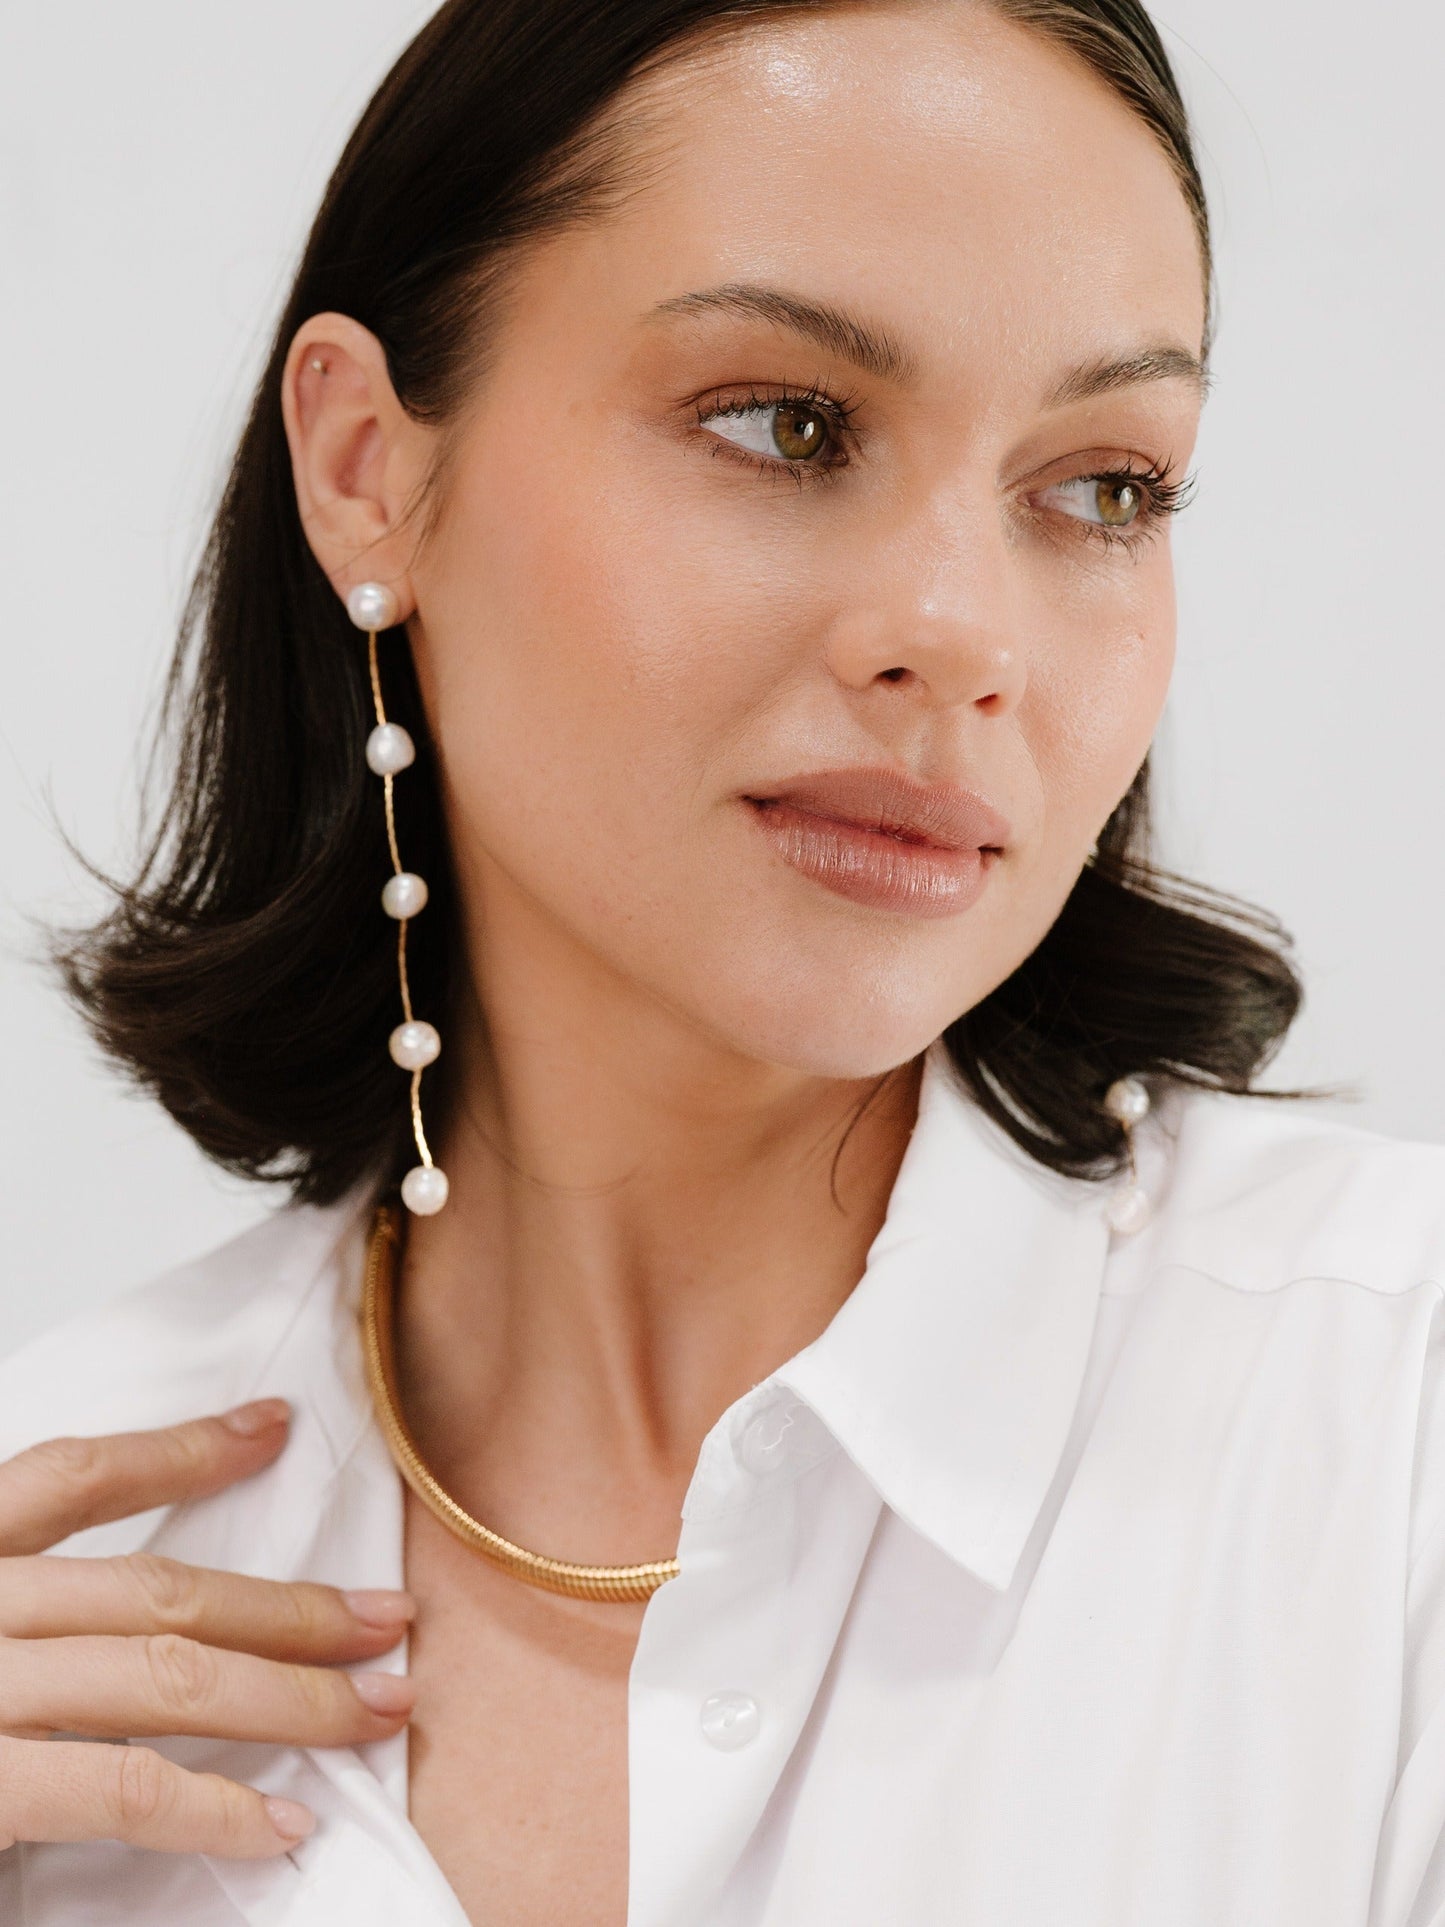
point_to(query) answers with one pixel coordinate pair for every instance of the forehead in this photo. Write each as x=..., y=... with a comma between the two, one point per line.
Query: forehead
x=971, y=173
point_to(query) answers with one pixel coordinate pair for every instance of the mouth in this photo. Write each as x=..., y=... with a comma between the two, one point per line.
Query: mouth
x=884, y=839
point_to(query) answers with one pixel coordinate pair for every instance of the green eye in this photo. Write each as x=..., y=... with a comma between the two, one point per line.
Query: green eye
x=1103, y=501
x=1118, y=502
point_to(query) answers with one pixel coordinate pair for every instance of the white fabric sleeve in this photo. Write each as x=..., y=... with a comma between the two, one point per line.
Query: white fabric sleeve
x=1409, y=1884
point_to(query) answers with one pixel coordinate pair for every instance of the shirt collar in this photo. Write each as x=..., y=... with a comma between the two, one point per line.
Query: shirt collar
x=951, y=1373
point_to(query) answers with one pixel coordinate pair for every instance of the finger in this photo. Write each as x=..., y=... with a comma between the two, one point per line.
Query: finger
x=165, y=1683
x=73, y=1790
x=63, y=1485
x=42, y=1597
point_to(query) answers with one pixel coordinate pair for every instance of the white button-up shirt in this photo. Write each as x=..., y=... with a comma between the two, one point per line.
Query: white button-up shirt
x=1066, y=1580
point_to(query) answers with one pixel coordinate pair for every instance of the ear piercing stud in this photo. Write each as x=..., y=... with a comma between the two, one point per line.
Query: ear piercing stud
x=390, y=750
x=1129, y=1210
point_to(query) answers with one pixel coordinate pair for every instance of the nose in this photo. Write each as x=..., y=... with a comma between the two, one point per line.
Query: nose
x=933, y=610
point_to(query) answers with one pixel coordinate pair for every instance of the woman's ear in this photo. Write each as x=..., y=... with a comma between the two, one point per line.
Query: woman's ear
x=357, y=457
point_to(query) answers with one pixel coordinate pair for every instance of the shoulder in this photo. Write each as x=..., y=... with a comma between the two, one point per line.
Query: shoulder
x=1259, y=1193
x=1292, y=1280
x=195, y=1339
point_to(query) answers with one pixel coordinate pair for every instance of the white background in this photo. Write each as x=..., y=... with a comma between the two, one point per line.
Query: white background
x=159, y=165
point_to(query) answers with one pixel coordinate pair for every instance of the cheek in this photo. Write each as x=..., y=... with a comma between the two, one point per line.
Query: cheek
x=589, y=661
x=1094, y=704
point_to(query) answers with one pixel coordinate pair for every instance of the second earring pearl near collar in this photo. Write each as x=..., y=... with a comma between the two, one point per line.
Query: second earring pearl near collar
x=1127, y=1100
x=1129, y=1210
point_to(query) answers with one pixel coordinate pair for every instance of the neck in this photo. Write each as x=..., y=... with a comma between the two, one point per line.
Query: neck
x=642, y=1225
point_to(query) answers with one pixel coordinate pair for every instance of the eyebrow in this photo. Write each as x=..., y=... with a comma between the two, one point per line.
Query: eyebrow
x=880, y=353
x=832, y=328
x=1163, y=363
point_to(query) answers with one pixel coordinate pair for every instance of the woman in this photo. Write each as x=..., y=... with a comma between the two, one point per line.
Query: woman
x=854, y=1416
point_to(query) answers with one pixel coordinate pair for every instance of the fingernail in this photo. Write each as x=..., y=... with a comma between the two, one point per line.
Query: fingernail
x=259, y=1416
x=380, y=1608
x=384, y=1692
x=290, y=1819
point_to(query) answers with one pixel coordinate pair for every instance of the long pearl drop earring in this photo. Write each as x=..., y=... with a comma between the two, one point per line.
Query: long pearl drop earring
x=389, y=750
x=1127, y=1102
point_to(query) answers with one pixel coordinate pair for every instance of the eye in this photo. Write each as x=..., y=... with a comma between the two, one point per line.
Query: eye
x=785, y=430
x=1108, y=501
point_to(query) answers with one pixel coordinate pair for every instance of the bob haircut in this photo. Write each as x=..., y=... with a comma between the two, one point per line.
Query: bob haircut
x=246, y=977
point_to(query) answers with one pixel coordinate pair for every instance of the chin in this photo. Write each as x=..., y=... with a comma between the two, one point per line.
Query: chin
x=849, y=1032
x=806, y=992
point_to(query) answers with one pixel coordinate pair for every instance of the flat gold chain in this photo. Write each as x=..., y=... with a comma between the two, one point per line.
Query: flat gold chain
x=377, y=1332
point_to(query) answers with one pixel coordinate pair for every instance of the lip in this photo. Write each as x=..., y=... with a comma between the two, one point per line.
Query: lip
x=884, y=839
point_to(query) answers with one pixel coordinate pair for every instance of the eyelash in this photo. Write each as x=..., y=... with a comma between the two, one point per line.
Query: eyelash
x=837, y=413
x=1162, y=498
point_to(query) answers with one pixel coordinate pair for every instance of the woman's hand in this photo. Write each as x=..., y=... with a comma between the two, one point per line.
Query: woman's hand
x=144, y=1645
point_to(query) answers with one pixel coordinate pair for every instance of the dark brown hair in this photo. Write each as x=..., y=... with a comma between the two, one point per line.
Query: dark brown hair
x=246, y=976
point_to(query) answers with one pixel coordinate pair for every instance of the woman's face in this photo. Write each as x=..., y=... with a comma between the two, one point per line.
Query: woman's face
x=695, y=547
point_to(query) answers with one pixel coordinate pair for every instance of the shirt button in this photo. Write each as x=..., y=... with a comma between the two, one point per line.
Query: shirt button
x=761, y=1447
x=730, y=1720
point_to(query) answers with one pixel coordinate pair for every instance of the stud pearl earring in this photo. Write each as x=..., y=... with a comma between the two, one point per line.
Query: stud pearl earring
x=1129, y=1210
x=390, y=750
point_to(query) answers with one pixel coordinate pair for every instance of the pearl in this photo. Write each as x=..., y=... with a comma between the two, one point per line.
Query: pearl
x=371, y=605
x=389, y=749
x=1127, y=1100
x=1129, y=1211
x=424, y=1190
x=404, y=895
x=414, y=1045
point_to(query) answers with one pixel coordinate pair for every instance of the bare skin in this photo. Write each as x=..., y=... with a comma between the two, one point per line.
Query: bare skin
x=621, y=624
x=141, y=1646
x=632, y=613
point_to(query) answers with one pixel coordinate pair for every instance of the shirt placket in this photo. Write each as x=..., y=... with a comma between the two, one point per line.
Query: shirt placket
x=775, y=1530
